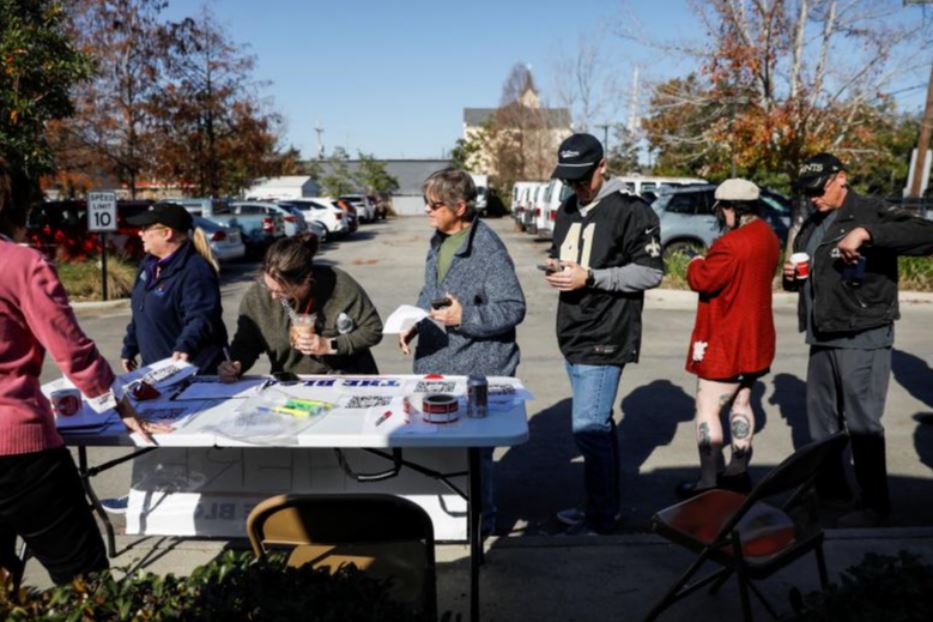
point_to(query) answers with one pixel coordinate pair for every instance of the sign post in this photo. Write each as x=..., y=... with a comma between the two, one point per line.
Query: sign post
x=102, y=217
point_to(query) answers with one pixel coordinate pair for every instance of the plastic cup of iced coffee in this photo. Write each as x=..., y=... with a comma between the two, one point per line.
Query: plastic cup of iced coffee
x=302, y=327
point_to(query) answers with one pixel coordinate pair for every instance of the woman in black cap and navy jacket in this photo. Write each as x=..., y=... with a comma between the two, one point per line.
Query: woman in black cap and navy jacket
x=176, y=298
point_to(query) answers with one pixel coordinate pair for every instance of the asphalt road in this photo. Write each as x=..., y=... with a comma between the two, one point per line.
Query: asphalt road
x=655, y=405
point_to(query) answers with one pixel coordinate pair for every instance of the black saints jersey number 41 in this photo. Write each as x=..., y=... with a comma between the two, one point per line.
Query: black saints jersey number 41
x=594, y=326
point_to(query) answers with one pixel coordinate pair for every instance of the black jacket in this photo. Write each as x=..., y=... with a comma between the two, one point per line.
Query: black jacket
x=838, y=307
x=181, y=312
x=595, y=326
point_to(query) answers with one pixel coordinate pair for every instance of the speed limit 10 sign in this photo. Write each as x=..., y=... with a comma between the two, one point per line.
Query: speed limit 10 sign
x=101, y=211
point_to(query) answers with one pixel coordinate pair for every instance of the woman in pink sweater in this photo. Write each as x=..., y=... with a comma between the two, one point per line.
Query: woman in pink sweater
x=41, y=496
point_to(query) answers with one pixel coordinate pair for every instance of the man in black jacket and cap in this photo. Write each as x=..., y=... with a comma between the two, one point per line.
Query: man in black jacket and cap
x=847, y=308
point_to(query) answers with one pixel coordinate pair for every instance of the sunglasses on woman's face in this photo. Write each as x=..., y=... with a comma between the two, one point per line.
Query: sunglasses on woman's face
x=433, y=205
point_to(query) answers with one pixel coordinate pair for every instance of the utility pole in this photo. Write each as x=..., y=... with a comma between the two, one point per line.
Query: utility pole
x=320, y=141
x=923, y=144
x=605, y=127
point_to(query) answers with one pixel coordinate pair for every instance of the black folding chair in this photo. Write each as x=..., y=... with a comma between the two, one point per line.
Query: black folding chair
x=743, y=534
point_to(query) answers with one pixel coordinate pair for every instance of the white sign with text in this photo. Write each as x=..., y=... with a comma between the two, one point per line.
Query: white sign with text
x=101, y=211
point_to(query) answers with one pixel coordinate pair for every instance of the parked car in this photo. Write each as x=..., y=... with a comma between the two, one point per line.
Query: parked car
x=319, y=230
x=353, y=217
x=688, y=220
x=644, y=184
x=323, y=210
x=292, y=218
x=364, y=207
x=381, y=206
x=258, y=229
x=59, y=229
x=226, y=242
x=532, y=210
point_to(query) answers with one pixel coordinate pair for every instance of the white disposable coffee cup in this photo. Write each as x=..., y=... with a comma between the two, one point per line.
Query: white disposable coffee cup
x=65, y=402
x=801, y=263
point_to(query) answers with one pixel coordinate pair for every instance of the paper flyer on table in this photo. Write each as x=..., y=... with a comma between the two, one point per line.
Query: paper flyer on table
x=161, y=374
x=95, y=412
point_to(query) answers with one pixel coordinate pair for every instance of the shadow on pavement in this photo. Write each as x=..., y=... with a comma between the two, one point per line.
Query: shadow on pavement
x=790, y=396
x=914, y=374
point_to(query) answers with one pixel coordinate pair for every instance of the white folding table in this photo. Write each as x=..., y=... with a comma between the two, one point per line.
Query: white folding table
x=506, y=425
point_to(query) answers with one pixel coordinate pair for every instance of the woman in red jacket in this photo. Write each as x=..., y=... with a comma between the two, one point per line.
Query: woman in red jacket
x=41, y=496
x=733, y=338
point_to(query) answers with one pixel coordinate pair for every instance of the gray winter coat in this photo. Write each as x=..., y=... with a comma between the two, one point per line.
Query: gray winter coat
x=482, y=277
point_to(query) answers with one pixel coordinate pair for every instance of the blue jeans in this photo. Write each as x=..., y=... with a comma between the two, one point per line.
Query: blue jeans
x=594, y=431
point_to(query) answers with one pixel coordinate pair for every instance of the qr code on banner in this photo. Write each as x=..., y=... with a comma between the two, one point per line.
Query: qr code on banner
x=501, y=389
x=368, y=401
x=435, y=386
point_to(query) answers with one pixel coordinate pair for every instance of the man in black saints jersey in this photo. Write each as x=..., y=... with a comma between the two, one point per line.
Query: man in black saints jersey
x=605, y=254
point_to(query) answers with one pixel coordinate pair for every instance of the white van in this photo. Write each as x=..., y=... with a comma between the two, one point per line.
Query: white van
x=642, y=184
x=520, y=200
x=555, y=193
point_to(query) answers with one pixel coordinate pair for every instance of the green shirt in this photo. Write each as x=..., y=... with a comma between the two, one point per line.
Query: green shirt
x=445, y=254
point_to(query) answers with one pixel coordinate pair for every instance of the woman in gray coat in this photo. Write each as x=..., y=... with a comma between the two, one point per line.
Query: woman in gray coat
x=469, y=272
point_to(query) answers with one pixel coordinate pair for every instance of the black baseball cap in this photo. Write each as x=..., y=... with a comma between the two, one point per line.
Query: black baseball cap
x=578, y=157
x=169, y=214
x=815, y=172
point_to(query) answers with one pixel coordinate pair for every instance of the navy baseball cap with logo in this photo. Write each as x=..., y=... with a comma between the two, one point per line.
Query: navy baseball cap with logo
x=577, y=157
x=815, y=172
x=168, y=214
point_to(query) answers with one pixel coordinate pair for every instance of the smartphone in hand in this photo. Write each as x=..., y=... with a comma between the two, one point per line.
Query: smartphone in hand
x=547, y=269
x=440, y=303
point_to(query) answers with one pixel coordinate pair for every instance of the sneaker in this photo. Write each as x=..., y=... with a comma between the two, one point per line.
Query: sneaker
x=571, y=516
x=117, y=505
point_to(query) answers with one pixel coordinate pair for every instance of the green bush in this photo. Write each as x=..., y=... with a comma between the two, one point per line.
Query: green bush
x=881, y=588
x=916, y=273
x=233, y=587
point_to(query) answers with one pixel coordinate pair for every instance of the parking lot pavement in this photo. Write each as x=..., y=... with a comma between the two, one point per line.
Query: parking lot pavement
x=544, y=475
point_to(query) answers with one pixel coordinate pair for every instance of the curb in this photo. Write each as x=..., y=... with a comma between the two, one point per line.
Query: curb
x=686, y=299
x=96, y=305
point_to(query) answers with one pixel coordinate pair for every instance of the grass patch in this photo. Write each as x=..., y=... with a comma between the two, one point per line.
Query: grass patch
x=83, y=283
x=916, y=273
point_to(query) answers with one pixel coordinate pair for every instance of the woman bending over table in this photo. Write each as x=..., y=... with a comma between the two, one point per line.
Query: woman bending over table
x=41, y=496
x=308, y=319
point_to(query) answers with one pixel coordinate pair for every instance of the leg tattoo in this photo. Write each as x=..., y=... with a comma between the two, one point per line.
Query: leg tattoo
x=741, y=427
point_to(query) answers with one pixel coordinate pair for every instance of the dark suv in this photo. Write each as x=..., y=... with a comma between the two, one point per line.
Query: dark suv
x=689, y=222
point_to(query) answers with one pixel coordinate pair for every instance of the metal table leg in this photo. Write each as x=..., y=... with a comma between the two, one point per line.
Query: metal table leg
x=475, y=527
x=86, y=475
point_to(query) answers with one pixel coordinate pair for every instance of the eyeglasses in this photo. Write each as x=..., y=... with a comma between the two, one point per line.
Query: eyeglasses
x=433, y=205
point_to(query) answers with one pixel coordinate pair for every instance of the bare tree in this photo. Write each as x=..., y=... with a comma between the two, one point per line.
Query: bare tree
x=779, y=80
x=587, y=82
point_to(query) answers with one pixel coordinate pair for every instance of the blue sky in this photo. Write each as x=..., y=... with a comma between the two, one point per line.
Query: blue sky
x=391, y=77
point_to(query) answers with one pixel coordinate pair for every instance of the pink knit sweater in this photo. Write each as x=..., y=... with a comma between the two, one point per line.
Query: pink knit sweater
x=34, y=317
